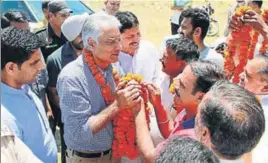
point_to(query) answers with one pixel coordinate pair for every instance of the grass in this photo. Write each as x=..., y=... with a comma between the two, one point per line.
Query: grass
x=154, y=16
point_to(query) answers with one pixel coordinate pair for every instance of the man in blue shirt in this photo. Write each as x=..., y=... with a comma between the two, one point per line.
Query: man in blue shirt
x=87, y=116
x=22, y=110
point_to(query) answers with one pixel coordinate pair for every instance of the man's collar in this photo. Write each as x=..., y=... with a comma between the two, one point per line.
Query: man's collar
x=68, y=49
x=50, y=31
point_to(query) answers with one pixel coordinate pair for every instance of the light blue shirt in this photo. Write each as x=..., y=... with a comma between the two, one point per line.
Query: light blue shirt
x=24, y=114
x=80, y=97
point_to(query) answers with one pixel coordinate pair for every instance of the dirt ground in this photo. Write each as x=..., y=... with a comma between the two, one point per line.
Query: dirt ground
x=154, y=15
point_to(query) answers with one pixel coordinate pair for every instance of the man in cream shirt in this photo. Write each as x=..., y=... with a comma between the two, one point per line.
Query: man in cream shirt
x=13, y=149
x=255, y=79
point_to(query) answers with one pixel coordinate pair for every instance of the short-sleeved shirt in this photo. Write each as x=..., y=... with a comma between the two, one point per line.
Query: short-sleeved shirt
x=57, y=60
x=53, y=42
x=211, y=55
x=24, y=114
x=81, y=97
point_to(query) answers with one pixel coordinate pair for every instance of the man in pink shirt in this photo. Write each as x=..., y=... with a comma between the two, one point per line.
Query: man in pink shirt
x=190, y=87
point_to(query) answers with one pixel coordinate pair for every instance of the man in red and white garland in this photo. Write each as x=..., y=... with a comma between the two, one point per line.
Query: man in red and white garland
x=89, y=99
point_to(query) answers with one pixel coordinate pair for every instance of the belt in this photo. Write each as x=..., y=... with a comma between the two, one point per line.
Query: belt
x=91, y=155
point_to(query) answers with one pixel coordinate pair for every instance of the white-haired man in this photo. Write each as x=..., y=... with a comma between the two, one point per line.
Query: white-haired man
x=86, y=89
x=71, y=29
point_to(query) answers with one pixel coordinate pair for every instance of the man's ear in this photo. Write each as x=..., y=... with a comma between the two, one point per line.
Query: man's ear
x=11, y=68
x=50, y=15
x=205, y=136
x=91, y=44
x=200, y=96
x=198, y=31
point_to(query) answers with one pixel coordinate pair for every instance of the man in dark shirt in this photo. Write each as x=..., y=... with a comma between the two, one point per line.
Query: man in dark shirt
x=51, y=34
x=71, y=29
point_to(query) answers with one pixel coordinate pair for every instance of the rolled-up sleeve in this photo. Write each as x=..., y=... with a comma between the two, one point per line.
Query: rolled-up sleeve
x=75, y=107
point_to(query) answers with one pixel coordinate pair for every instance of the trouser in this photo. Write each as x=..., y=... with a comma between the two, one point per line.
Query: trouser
x=174, y=28
x=72, y=158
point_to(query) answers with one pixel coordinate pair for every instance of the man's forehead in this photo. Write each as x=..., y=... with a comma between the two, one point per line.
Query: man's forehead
x=169, y=51
x=253, y=66
x=110, y=35
x=188, y=74
x=186, y=21
x=114, y=1
x=132, y=30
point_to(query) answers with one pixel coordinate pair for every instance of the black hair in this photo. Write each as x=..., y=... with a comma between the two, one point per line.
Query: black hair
x=45, y=4
x=184, y=48
x=258, y=3
x=4, y=22
x=17, y=16
x=207, y=74
x=17, y=45
x=199, y=18
x=127, y=20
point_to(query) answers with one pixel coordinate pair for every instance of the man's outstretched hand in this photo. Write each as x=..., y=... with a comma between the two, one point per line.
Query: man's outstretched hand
x=254, y=20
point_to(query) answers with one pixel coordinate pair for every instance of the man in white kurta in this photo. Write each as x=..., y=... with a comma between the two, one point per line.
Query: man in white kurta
x=137, y=56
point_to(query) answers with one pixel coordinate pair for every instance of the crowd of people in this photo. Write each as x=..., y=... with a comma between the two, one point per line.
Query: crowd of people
x=64, y=75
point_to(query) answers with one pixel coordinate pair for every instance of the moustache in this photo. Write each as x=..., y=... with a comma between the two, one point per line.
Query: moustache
x=134, y=43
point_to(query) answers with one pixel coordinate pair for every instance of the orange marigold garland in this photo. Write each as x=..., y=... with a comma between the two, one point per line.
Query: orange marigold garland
x=254, y=41
x=105, y=87
x=238, y=43
x=124, y=143
x=264, y=45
